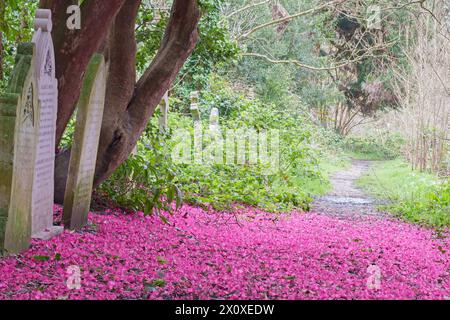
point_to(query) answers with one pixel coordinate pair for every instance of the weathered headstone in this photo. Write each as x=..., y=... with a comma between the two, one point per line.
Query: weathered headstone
x=195, y=111
x=83, y=155
x=198, y=138
x=164, y=106
x=214, y=121
x=213, y=153
x=19, y=124
x=43, y=187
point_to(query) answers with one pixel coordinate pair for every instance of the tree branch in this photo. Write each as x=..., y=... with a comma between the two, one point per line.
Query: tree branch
x=121, y=131
x=288, y=18
x=301, y=65
x=76, y=47
x=250, y=6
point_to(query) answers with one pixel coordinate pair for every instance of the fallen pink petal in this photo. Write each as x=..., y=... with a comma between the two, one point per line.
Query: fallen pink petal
x=245, y=255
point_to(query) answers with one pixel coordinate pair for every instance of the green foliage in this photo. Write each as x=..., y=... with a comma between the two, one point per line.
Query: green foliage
x=146, y=181
x=66, y=140
x=224, y=186
x=276, y=84
x=16, y=26
x=214, y=49
x=433, y=210
x=151, y=24
x=220, y=95
x=320, y=184
x=415, y=196
x=386, y=147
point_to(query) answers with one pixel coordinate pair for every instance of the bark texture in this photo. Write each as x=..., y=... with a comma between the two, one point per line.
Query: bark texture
x=74, y=48
x=1, y=56
x=129, y=103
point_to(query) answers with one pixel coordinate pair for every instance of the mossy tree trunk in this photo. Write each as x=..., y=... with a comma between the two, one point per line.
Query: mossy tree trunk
x=1, y=56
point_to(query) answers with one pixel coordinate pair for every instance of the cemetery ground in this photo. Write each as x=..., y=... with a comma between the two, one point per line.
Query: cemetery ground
x=223, y=166
x=343, y=249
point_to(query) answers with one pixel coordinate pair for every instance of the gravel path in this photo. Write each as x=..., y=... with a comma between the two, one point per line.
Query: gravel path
x=346, y=200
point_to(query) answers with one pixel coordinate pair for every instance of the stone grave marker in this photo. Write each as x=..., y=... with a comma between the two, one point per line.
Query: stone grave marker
x=195, y=111
x=163, y=119
x=77, y=199
x=19, y=125
x=198, y=138
x=43, y=187
x=214, y=121
x=213, y=153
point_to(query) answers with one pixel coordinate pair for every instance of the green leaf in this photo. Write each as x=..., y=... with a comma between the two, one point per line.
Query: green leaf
x=164, y=219
x=41, y=258
x=158, y=283
x=161, y=260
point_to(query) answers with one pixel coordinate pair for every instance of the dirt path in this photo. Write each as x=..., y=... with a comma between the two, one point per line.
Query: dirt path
x=346, y=199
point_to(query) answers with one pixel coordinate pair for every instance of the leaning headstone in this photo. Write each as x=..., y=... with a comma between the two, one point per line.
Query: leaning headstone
x=19, y=124
x=43, y=190
x=77, y=199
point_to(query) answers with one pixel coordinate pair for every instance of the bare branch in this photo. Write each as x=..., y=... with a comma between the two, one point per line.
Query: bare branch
x=250, y=6
x=313, y=68
x=291, y=17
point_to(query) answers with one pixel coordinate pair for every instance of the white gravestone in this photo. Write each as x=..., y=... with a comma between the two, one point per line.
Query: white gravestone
x=195, y=111
x=43, y=186
x=214, y=121
x=198, y=139
x=163, y=119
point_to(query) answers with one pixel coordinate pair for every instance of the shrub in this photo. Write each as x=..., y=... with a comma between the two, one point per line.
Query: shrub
x=433, y=209
x=147, y=180
x=374, y=148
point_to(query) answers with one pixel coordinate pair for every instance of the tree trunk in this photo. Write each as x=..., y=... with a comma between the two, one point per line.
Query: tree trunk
x=129, y=105
x=1, y=57
x=74, y=48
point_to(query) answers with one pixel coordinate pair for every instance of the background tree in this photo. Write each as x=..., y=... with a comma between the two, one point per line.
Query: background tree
x=338, y=59
x=16, y=25
x=129, y=102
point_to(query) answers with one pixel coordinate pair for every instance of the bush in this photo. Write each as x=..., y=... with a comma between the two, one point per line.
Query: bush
x=387, y=147
x=433, y=209
x=150, y=180
x=147, y=180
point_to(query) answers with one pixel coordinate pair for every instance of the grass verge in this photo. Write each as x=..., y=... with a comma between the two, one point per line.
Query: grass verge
x=418, y=197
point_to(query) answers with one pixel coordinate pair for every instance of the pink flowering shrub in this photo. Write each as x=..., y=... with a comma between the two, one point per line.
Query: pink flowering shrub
x=246, y=255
